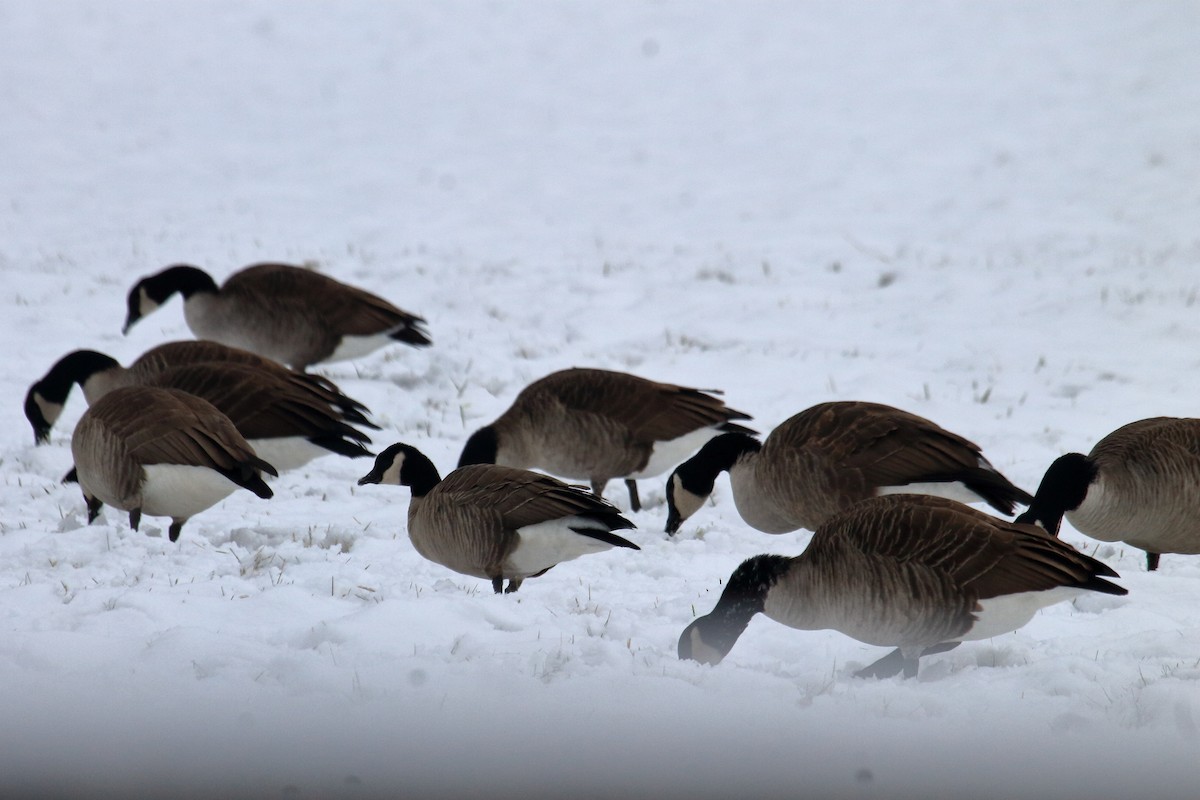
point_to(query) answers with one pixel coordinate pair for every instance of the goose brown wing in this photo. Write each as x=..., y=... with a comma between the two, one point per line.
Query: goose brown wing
x=178, y=354
x=260, y=404
x=887, y=446
x=519, y=497
x=345, y=309
x=1152, y=443
x=983, y=555
x=175, y=355
x=166, y=426
x=648, y=410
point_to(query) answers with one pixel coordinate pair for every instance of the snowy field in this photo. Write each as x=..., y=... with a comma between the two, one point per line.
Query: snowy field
x=984, y=213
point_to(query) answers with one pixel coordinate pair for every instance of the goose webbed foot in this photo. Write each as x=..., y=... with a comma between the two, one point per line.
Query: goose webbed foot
x=1151, y=561
x=93, y=508
x=895, y=662
x=499, y=588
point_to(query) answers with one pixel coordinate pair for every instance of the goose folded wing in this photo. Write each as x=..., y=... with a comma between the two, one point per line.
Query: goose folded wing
x=344, y=308
x=892, y=450
x=983, y=554
x=647, y=410
x=260, y=405
x=521, y=498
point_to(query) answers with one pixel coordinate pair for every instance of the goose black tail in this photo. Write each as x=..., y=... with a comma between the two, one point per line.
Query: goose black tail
x=343, y=447
x=997, y=490
x=605, y=536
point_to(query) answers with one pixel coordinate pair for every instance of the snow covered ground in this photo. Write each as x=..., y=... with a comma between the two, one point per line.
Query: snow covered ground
x=984, y=213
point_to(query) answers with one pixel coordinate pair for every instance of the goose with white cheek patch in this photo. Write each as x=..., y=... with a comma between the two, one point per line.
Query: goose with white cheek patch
x=97, y=373
x=1140, y=484
x=293, y=315
x=497, y=523
x=914, y=572
x=825, y=459
x=595, y=425
x=288, y=417
x=163, y=453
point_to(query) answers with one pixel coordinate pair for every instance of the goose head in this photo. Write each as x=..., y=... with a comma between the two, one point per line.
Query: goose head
x=1064, y=487
x=45, y=399
x=403, y=465
x=152, y=291
x=708, y=639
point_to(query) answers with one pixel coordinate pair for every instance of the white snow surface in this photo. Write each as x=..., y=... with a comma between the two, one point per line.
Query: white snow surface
x=985, y=213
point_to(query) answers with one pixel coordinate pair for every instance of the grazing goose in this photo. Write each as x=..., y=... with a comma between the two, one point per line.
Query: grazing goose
x=592, y=424
x=289, y=417
x=161, y=452
x=497, y=522
x=825, y=459
x=1140, y=485
x=293, y=315
x=916, y=572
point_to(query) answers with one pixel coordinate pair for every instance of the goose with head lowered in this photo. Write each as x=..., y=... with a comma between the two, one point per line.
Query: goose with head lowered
x=595, y=425
x=163, y=453
x=915, y=572
x=289, y=417
x=829, y=457
x=494, y=522
x=294, y=315
x=1140, y=484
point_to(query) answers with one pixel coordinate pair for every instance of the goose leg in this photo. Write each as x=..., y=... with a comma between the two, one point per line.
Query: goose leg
x=93, y=508
x=1151, y=561
x=895, y=662
x=513, y=585
x=173, y=531
x=497, y=585
x=598, y=487
x=135, y=518
x=634, y=503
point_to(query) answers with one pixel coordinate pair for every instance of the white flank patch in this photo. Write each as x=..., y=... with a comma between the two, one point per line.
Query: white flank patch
x=352, y=347
x=673, y=452
x=174, y=490
x=286, y=452
x=954, y=490
x=1013, y=611
x=548, y=543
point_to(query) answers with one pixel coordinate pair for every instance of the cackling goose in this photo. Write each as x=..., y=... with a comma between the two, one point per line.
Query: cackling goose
x=1140, y=485
x=916, y=572
x=825, y=459
x=296, y=316
x=594, y=425
x=497, y=522
x=289, y=417
x=161, y=452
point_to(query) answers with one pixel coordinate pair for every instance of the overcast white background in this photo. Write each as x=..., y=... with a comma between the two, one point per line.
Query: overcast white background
x=983, y=213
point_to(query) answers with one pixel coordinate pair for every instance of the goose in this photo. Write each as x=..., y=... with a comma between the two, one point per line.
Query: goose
x=1140, y=484
x=496, y=522
x=594, y=425
x=291, y=314
x=289, y=417
x=161, y=452
x=916, y=572
x=828, y=457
